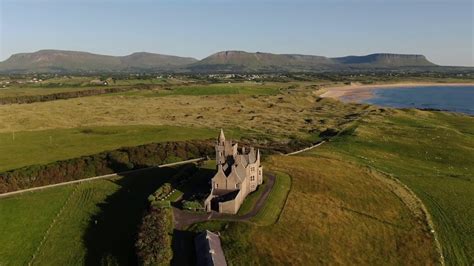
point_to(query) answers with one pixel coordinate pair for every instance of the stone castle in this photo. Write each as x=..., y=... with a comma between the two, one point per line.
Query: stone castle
x=238, y=174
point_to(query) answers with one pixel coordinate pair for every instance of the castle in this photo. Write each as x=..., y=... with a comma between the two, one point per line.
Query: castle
x=238, y=174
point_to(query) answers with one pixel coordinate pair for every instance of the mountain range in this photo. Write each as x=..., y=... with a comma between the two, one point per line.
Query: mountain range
x=58, y=61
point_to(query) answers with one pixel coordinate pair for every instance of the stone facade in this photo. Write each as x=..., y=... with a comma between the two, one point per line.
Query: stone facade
x=238, y=173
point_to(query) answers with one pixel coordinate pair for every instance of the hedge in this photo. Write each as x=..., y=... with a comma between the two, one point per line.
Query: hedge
x=154, y=237
x=124, y=159
x=108, y=162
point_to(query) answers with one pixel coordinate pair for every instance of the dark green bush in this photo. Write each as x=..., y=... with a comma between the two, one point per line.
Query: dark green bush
x=154, y=240
x=192, y=205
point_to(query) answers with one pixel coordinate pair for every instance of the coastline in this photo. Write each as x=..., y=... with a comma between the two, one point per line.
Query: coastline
x=359, y=92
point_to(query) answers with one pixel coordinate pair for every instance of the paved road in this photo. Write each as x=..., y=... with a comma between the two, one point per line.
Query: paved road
x=183, y=219
x=8, y=194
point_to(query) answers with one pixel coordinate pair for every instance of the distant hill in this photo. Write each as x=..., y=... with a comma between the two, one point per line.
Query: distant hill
x=73, y=61
x=249, y=62
x=385, y=60
x=226, y=61
x=244, y=61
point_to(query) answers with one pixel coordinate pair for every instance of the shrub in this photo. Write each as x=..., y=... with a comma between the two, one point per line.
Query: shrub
x=161, y=204
x=151, y=198
x=192, y=205
x=154, y=241
x=162, y=191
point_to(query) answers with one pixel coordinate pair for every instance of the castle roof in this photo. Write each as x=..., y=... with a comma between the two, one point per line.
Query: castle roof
x=209, y=250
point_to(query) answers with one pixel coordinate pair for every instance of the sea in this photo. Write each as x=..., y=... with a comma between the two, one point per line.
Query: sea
x=446, y=98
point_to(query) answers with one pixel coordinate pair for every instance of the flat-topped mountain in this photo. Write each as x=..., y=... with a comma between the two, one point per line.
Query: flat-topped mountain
x=73, y=61
x=226, y=61
x=385, y=60
x=248, y=62
x=240, y=60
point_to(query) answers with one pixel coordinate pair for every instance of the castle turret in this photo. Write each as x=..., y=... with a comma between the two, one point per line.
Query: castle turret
x=220, y=149
x=221, y=138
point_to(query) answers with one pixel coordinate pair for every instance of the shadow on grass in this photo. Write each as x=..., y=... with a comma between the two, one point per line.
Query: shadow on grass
x=111, y=234
x=198, y=186
x=183, y=248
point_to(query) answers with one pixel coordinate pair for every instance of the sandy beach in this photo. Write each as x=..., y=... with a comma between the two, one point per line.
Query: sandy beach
x=359, y=92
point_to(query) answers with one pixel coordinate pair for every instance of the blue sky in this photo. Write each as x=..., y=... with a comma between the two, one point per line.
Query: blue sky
x=440, y=29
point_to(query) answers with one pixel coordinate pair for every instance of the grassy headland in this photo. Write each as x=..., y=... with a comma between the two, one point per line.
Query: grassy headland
x=431, y=152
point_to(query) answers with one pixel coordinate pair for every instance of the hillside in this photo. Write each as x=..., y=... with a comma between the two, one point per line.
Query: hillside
x=73, y=61
x=226, y=61
x=267, y=62
x=385, y=60
x=244, y=61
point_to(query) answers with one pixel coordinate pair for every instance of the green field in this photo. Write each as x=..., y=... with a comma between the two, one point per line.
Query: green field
x=327, y=219
x=25, y=219
x=39, y=147
x=16, y=92
x=275, y=203
x=430, y=152
x=97, y=223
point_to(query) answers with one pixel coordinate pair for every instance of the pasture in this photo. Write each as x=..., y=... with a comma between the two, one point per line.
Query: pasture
x=335, y=212
x=44, y=146
x=432, y=153
x=87, y=223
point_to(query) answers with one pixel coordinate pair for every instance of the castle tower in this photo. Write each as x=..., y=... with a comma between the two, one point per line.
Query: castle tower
x=220, y=149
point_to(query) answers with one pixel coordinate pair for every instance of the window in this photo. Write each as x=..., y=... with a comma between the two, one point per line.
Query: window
x=217, y=185
x=252, y=178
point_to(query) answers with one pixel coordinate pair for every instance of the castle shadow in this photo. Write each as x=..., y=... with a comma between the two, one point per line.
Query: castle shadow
x=111, y=233
x=183, y=248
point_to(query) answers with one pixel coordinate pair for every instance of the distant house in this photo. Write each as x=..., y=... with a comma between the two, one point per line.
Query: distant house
x=209, y=250
x=98, y=82
x=238, y=173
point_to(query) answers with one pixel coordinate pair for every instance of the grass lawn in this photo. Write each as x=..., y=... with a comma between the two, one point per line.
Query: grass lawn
x=97, y=225
x=16, y=92
x=336, y=212
x=275, y=203
x=432, y=153
x=252, y=198
x=40, y=147
x=24, y=219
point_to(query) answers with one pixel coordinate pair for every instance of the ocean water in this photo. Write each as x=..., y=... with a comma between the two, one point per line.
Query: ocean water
x=450, y=98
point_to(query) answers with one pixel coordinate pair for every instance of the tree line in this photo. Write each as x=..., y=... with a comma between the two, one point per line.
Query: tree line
x=25, y=99
x=103, y=163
